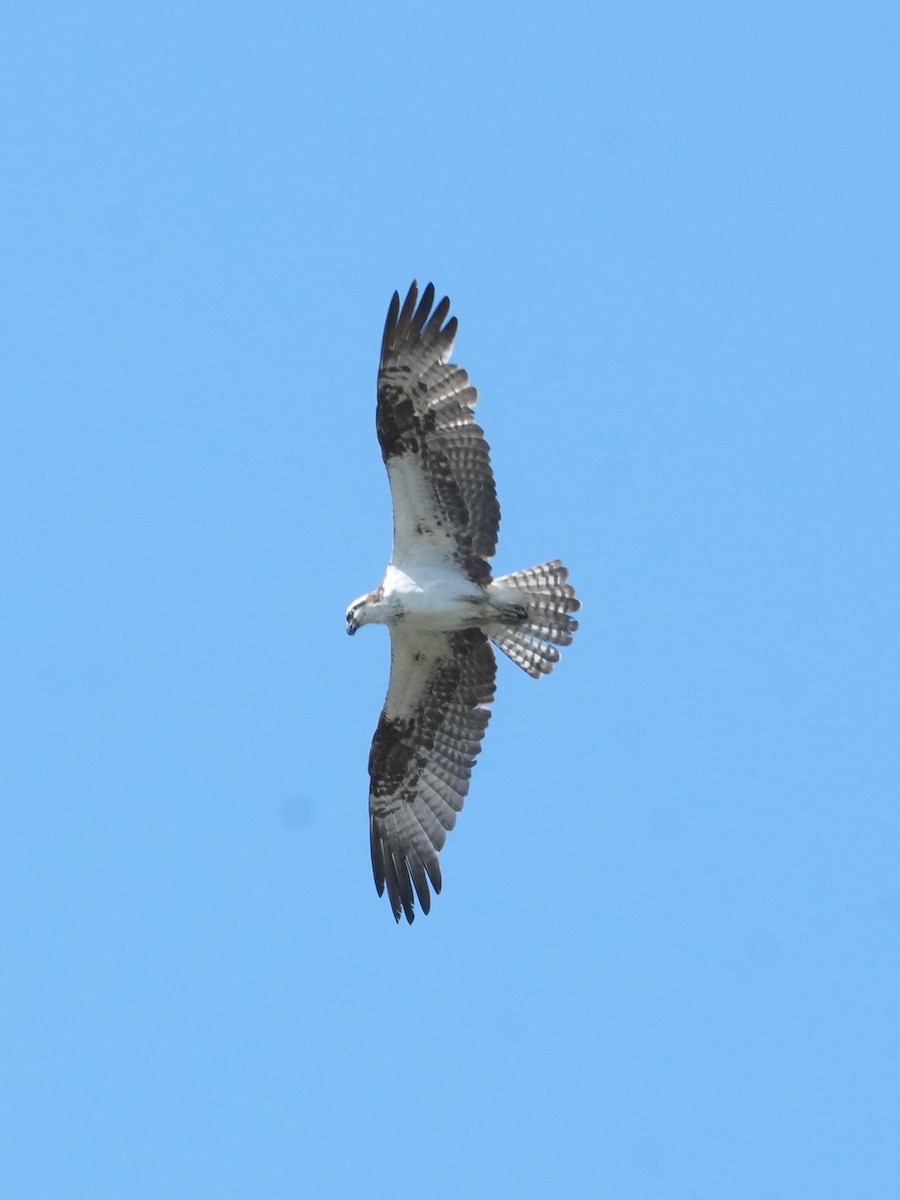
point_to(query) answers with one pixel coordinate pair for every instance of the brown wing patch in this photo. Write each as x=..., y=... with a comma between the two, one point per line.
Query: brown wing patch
x=421, y=762
x=425, y=409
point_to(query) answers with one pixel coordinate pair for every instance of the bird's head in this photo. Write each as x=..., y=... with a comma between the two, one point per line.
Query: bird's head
x=363, y=611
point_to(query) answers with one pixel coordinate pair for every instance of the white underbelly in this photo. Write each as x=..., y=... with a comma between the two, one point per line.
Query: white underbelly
x=436, y=600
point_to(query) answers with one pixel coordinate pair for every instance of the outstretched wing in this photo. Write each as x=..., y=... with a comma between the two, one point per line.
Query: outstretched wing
x=422, y=755
x=438, y=463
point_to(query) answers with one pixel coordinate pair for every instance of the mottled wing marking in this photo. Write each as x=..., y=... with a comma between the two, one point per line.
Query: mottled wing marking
x=422, y=756
x=425, y=412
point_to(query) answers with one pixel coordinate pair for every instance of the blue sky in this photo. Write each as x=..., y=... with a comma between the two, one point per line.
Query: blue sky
x=666, y=960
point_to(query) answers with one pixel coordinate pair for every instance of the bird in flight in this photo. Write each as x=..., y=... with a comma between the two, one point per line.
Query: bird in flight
x=440, y=601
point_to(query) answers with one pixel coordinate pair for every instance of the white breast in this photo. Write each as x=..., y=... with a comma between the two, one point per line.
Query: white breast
x=434, y=597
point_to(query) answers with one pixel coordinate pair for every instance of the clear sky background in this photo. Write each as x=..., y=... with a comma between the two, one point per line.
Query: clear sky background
x=666, y=960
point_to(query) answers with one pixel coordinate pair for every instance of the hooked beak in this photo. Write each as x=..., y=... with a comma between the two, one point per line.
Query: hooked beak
x=351, y=626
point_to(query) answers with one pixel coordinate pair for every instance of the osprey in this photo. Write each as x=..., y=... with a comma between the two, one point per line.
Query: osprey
x=440, y=602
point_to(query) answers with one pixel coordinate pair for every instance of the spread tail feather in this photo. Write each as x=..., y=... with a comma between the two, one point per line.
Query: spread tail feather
x=535, y=605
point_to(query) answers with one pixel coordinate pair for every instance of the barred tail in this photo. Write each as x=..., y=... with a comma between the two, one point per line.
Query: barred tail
x=534, y=605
